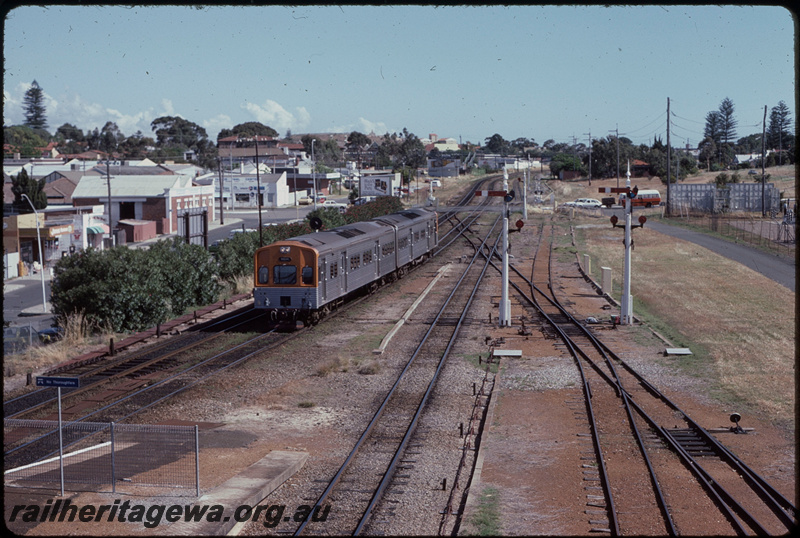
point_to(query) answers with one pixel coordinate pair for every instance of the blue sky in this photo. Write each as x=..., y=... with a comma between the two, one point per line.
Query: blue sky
x=552, y=72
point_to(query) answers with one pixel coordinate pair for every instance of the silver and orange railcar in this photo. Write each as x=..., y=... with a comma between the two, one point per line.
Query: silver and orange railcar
x=304, y=277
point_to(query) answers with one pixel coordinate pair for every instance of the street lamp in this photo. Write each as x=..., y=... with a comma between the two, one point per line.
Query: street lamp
x=314, y=172
x=41, y=263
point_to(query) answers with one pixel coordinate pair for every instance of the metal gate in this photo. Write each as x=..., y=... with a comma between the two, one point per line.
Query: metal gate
x=193, y=226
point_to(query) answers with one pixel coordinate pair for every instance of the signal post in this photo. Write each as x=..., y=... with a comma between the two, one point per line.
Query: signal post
x=508, y=196
x=626, y=303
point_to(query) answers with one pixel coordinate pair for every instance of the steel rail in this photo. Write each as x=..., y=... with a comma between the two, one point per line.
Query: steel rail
x=131, y=363
x=378, y=495
x=150, y=388
x=379, y=413
x=773, y=499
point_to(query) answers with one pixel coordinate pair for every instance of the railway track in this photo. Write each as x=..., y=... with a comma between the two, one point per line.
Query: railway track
x=651, y=469
x=358, y=487
x=143, y=364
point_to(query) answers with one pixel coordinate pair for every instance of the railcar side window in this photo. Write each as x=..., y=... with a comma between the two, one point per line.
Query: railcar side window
x=402, y=243
x=284, y=274
x=387, y=248
x=308, y=275
x=355, y=261
x=366, y=256
x=334, y=269
x=263, y=275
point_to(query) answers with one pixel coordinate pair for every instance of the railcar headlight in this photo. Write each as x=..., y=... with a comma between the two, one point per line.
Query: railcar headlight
x=285, y=250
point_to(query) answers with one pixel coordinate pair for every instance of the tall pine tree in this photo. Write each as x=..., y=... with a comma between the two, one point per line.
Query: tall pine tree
x=34, y=107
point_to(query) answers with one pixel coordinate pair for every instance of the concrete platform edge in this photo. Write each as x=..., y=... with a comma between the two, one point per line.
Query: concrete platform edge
x=249, y=487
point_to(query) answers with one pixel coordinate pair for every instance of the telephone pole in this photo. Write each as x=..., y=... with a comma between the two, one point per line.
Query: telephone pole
x=590, y=156
x=669, y=165
x=617, y=134
x=763, y=160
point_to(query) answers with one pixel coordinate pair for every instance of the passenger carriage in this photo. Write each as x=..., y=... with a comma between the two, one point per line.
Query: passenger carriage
x=304, y=277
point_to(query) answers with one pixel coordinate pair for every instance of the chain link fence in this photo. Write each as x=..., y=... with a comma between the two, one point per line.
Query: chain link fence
x=101, y=456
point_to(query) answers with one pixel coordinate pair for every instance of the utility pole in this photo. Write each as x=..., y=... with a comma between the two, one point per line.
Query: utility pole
x=110, y=222
x=314, y=174
x=763, y=160
x=669, y=165
x=590, y=156
x=221, y=191
x=617, y=133
x=258, y=198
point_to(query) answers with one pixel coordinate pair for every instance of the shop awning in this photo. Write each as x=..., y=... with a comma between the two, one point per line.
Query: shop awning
x=96, y=230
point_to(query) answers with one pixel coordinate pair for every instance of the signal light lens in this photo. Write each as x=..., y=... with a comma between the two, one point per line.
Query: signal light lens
x=614, y=220
x=642, y=219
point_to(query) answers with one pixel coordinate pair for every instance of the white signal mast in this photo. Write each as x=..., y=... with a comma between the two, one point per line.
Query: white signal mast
x=505, y=305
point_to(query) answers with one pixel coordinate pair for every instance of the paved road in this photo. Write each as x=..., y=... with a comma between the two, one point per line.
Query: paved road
x=777, y=268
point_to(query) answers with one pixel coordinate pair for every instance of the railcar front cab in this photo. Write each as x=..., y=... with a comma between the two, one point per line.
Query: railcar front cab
x=286, y=279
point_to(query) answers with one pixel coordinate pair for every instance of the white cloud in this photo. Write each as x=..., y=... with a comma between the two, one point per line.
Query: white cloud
x=216, y=124
x=274, y=115
x=368, y=127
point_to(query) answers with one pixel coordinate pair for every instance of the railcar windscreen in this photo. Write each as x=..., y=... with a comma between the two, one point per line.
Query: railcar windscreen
x=308, y=275
x=263, y=275
x=284, y=274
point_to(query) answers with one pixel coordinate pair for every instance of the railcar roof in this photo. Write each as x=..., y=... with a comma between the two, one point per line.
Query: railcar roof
x=341, y=235
x=403, y=216
x=331, y=239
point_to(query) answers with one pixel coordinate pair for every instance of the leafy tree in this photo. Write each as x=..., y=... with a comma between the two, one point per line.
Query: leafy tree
x=135, y=146
x=565, y=161
x=32, y=188
x=331, y=217
x=708, y=151
x=388, y=151
x=250, y=129
x=357, y=141
x=174, y=135
x=25, y=139
x=119, y=288
x=326, y=151
x=189, y=272
x=69, y=132
x=34, y=107
x=497, y=144
x=749, y=144
x=110, y=137
x=412, y=150
x=176, y=131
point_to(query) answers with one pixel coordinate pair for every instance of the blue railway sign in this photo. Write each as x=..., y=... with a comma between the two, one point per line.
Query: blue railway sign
x=63, y=382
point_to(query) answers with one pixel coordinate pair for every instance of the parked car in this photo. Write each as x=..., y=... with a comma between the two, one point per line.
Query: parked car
x=365, y=200
x=333, y=203
x=584, y=203
x=52, y=334
x=305, y=200
x=240, y=230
